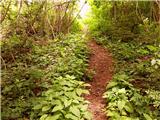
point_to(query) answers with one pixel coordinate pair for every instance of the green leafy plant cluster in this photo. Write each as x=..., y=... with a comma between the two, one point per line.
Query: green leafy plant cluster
x=19, y=79
x=35, y=50
x=126, y=102
x=148, y=32
x=133, y=92
x=124, y=21
x=36, y=70
x=66, y=87
x=63, y=100
x=131, y=33
x=38, y=18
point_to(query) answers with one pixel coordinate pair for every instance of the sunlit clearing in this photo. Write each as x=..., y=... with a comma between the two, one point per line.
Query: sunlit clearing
x=85, y=8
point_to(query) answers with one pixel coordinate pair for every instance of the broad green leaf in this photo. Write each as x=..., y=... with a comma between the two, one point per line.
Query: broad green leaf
x=68, y=88
x=143, y=51
x=70, y=116
x=123, y=112
x=37, y=107
x=67, y=102
x=85, y=92
x=122, y=91
x=121, y=104
x=111, y=84
x=58, y=107
x=70, y=77
x=56, y=102
x=87, y=85
x=125, y=118
x=75, y=111
x=88, y=116
x=151, y=48
x=67, y=83
x=71, y=94
x=81, y=91
x=83, y=107
x=80, y=83
x=43, y=117
x=45, y=108
x=53, y=117
x=128, y=107
x=75, y=101
x=82, y=119
x=80, y=99
x=147, y=117
x=113, y=113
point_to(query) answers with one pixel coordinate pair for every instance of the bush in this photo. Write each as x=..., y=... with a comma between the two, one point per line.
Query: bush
x=31, y=73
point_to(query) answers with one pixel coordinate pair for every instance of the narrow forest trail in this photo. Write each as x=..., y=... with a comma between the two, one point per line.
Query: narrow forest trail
x=100, y=62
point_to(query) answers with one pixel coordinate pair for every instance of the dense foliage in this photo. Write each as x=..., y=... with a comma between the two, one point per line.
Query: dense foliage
x=37, y=18
x=42, y=65
x=44, y=59
x=47, y=69
x=134, y=90
x=131, y=32
x=125, y=21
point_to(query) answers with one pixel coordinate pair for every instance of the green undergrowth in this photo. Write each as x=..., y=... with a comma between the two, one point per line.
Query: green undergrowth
x=134, y=92
x=43, y=79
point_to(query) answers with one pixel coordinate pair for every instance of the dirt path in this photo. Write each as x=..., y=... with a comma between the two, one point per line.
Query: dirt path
x=100, y=62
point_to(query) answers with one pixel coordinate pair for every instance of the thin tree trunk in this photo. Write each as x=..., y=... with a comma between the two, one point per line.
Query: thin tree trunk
x=115, y=10
x=158, y=3
x=5, y=14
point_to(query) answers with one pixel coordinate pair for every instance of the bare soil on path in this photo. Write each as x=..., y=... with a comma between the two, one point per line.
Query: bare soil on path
x=100, y=62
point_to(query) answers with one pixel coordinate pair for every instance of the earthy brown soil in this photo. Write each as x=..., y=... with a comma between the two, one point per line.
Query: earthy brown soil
x=101, y=63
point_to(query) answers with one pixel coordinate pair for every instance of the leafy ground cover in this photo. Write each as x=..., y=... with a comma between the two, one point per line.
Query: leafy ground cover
x=43, y=64
x=129, y=30
x=133, y=93
x=44, y=81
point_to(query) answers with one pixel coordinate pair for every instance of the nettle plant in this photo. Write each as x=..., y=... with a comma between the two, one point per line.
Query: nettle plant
x=63, y=101
x=125, y=102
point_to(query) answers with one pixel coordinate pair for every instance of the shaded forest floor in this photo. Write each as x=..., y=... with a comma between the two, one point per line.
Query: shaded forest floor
x=100, y=66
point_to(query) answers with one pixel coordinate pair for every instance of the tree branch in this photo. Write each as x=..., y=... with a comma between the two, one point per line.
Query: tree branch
x=7, y=9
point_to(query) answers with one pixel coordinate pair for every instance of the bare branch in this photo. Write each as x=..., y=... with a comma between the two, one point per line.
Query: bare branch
x=7, y=9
